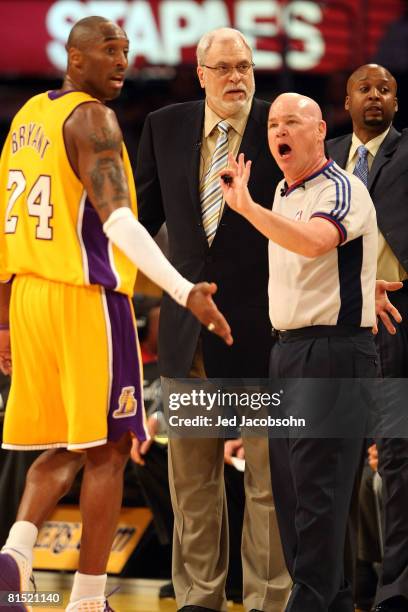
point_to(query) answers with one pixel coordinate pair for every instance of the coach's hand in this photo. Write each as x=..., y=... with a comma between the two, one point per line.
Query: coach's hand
x=373, y=457
x=384, y=308
x=233, y=448
x=203, y=307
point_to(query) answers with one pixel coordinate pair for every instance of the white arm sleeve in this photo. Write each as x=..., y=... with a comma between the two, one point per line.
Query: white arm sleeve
x=125, y=231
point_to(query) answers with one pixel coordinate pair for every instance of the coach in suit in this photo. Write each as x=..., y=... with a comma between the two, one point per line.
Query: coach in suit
x=182, y=149
x=376, y=153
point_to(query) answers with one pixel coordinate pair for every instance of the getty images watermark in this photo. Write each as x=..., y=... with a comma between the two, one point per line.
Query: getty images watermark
x=218, y=400
x=227, y=408
x=281, y=408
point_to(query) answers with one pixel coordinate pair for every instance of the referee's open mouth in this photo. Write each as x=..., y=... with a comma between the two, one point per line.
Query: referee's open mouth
x=284, y=150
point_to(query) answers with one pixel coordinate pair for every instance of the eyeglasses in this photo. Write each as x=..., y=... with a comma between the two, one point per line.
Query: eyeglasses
x=223, y=70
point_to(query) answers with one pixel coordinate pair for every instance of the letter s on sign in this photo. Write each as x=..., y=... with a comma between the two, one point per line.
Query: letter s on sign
x=311, y=37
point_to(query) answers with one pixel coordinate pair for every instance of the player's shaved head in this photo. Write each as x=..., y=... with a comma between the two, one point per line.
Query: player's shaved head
x=97, y=50
x=362, y=73
x=296, y=103
x=85, y=31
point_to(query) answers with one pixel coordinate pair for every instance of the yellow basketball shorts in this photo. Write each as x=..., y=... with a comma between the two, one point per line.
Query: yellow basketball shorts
x=77, y=371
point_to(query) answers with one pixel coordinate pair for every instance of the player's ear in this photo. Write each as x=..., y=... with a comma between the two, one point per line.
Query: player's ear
x=347, y=103
x=75, y=58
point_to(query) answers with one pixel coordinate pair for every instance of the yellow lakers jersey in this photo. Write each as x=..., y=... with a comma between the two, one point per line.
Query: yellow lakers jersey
x=49, y=227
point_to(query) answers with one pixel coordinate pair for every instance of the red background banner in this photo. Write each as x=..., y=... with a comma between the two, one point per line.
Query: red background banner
x=300, y=35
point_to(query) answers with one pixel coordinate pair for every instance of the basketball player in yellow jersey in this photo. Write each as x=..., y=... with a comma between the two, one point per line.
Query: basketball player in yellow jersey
x=69, y=247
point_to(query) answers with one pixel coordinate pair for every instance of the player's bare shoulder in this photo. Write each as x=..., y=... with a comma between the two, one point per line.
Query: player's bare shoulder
x=92, y=127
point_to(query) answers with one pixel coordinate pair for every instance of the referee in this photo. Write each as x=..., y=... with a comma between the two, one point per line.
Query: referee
x=322, y=265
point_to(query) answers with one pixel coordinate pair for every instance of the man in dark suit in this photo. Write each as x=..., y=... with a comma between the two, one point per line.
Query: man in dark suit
x=182, y=149
x=375, y=153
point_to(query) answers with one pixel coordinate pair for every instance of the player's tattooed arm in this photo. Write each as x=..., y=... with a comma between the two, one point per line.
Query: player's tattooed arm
x=105, y=139
x=94, y=147
x=108, y=183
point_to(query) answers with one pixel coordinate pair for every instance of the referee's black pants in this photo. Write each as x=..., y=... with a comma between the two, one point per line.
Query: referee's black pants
x=313, y=478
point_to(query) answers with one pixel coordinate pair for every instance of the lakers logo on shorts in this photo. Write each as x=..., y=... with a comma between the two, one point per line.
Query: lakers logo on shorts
x=127, y=404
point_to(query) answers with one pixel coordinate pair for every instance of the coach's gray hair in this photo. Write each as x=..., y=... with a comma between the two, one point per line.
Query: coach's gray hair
x=207, y=40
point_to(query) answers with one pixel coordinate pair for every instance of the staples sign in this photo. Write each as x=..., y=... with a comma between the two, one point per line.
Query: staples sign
x=303, y=35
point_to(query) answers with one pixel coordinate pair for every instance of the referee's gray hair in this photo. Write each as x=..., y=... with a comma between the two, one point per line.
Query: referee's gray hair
x=207, y=40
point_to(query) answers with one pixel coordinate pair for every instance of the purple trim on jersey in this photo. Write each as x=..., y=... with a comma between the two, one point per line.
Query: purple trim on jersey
x=57, y=93
x=126, y=368
x=294, y=186
x=96, y=246
x=340, y=227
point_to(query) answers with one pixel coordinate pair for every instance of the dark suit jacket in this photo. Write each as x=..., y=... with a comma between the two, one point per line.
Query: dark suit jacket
x=388, y=186
x=167, y=183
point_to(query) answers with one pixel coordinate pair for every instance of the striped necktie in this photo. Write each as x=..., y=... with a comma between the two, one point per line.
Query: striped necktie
x=210, y=189
x=361, y=167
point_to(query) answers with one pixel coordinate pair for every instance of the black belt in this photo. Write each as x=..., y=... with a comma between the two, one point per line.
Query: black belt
x=320, y=331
